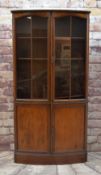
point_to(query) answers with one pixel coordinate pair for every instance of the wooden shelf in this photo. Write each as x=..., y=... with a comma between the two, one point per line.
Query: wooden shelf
x=33, y=59
x=30, y=37
x=69, y=38
x=24, y=59
x=78, y=59
x=83, y=38
x=63, y=38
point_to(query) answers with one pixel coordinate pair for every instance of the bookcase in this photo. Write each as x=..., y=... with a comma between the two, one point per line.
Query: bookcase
x=51, y=49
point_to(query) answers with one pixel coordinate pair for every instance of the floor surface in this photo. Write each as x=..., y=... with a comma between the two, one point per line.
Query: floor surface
x=91, y=167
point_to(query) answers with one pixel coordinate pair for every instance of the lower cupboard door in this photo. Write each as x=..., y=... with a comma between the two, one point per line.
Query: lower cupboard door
x=33, y=123
x=69, y=127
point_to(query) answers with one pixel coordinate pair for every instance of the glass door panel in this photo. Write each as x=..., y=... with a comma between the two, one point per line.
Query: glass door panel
x=23, y=89
x=62, y=26
x=23, y=79
x=78, y=48
x=23, y=47
x=78, y=54
x=77, y=79
x=39, y=49
x=62, y=68
x=39, y=58
x=77, y=68
x=39, y=26
x=23, y=70
x=62, y=57
x=23, y=57
x=23, y=27
x=39, y=79
x=69, y=50
x=78, y=27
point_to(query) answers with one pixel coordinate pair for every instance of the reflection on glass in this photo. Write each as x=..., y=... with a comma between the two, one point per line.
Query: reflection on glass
x=62, y=27
x=39, y=26
x=23, y=48
x=39, y=79
x=62, y=57
x=63, y=49
x=78, y=27
x=62, y=68
x=62, y=79
x=77, y=79
x=23, y=27
x=23, y=89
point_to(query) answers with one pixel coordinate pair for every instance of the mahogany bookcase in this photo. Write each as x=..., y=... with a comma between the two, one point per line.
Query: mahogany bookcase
x=51, y=49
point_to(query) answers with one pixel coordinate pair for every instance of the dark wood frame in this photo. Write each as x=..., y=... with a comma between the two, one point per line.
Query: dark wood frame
x=50, y=158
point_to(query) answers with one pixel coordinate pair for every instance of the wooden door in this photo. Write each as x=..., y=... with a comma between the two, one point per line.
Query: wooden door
x=68, y=83
x=33, y=114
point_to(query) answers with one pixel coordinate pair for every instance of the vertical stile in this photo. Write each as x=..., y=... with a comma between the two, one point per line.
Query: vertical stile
x=49, y=76
x=52, y=79
x=31, y=62
x=70, y=57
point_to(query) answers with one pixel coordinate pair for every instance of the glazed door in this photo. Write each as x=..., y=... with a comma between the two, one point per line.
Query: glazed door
x=33, y=114
x=50, y=76
x=68, y=77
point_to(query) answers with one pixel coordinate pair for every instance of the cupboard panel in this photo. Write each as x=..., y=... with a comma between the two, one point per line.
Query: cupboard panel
x=69, y=127
x=33, y=126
